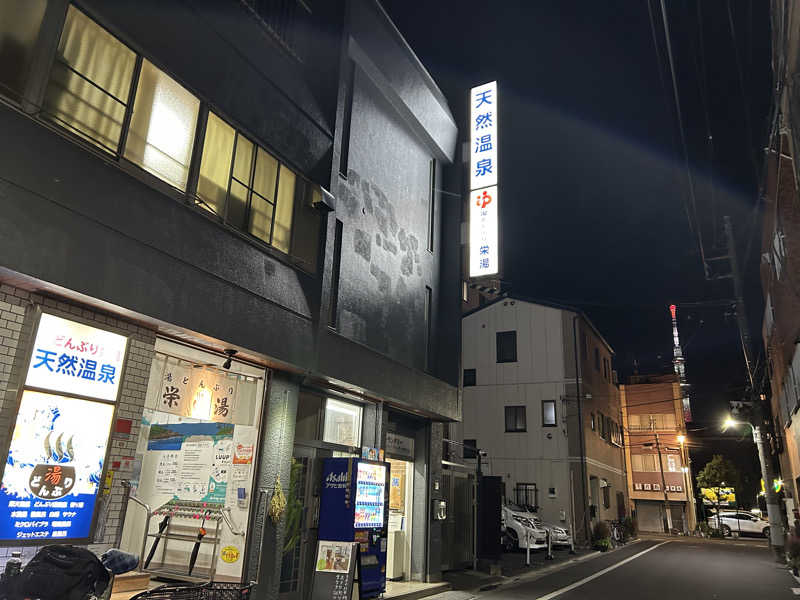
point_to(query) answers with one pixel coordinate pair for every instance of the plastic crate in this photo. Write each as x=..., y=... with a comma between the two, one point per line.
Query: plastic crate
x=205, y=591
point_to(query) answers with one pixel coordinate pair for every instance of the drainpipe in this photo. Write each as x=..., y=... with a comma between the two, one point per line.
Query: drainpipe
x=580, y=429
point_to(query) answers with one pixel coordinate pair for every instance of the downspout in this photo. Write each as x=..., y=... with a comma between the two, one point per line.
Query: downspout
x=580, y=429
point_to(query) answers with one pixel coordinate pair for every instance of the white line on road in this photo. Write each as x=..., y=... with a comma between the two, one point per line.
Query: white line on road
x=572, y=586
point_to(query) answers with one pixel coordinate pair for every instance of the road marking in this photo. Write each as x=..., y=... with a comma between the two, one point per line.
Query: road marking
x=572, y=586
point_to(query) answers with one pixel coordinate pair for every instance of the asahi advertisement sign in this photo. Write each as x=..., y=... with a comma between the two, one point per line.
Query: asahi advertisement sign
x=484, y=251
x=57, y=453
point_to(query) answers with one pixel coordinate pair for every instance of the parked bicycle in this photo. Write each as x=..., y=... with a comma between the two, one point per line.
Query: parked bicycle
x=617, y=533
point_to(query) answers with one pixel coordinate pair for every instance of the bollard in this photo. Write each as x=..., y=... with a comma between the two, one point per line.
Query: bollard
x=549, y=555
x=528, y=547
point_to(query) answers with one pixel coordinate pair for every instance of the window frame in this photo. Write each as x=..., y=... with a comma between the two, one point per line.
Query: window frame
x=39, y=79
x=555, y=414
x=512, y=334
x=473, y=378
x=358, y=431
x=516, y=410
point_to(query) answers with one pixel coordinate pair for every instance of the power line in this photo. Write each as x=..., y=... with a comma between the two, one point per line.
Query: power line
x=690, y=180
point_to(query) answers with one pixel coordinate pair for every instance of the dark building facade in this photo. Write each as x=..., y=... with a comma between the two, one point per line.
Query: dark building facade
x=247, y=190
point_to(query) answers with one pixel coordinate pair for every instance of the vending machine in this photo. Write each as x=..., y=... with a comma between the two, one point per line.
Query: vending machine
x=354, y=501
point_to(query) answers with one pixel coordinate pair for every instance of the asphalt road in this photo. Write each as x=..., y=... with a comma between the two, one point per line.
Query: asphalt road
x=658, y=570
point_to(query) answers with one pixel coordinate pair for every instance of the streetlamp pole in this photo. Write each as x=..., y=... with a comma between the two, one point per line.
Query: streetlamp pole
x=773, y=510
x=768, y=475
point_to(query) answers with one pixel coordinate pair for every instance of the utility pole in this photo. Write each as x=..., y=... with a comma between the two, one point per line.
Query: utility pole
x=767, y=474
x=667, y=512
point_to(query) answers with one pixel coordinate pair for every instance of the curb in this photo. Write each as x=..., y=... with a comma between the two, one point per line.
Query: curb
x=539, y=573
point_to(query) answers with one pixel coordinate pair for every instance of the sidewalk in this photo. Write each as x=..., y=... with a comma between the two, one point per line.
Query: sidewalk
x=515, y=570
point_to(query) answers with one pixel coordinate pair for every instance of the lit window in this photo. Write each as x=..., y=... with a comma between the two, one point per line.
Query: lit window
x=89, y=82
x=215, y=166
x=20, y=21
x=548, y=413
x=162, y=128
x=342, y=423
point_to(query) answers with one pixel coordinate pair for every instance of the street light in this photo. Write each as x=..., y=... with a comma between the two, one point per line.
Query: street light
x=773, y=511
x=681, y=439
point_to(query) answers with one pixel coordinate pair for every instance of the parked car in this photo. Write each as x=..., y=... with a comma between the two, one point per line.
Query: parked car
x=744, y=523
x=559, y=535
x=519, y=526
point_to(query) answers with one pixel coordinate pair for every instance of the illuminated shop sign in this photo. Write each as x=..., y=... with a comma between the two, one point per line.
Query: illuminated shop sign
x=58, y=447
x=74, y=358
x=54, y=468
x=483, y=179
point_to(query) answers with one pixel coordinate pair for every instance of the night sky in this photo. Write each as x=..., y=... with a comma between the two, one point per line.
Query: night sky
x=595, y=203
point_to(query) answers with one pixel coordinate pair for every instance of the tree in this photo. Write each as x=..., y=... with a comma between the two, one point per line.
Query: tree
x=719, y=472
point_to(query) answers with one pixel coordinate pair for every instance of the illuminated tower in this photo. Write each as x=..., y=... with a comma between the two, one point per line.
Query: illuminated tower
x=677, y=362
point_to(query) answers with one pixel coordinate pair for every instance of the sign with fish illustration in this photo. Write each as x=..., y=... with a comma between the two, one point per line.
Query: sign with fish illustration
x=54, y=468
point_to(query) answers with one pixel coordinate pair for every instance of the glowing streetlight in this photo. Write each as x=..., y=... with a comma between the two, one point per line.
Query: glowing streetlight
x=681, y=439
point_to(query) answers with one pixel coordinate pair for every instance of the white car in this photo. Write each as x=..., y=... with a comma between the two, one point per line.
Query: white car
x=519, y=527
x=739, y=521
x=559, y=535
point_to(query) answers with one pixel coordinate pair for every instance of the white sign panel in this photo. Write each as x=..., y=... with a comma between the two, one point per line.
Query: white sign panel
x=74, y=358
x=483, y=136
x=483, y=238
x=484, y=257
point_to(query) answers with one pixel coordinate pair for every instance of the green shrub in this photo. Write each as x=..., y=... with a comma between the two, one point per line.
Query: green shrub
x=603, y=545
x=600, y=531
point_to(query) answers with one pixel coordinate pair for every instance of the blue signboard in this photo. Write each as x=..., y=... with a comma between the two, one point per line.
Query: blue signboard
x=54, y=468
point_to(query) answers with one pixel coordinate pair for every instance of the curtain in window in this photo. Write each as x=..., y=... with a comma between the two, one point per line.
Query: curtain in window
x=162, y=128
x=20, y=21
x=90, y=81
x=284, y=210
x=215, y=166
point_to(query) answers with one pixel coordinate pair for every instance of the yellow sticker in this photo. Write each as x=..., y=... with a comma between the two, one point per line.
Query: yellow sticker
x=229, y=554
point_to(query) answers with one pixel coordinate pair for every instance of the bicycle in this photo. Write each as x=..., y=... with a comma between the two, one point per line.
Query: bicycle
x=617, y=534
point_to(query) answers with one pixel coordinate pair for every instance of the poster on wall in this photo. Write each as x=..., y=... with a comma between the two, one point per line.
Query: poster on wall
x=54, y=468
x=200, y=454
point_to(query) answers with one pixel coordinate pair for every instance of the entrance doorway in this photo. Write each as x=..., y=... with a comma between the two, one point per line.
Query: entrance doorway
x=401, y=494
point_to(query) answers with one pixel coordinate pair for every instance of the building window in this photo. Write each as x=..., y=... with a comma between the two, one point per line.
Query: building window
x=431, y=202
x=526, y=495
x=515, y=419
x=606, y=493
x=90, y=82
x=428, y=328
x=251, y=190
x=20, y=21
x=506, y=346
x=470, y=449
x=606, y=370
x=551, y=492
x=548, y=413
x=470, y=377
x=333, y=313
x=161, y=134
x=342, y=423
x=597, y=359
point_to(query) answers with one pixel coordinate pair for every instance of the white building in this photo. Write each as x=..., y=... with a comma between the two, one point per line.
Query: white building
x=521, y=392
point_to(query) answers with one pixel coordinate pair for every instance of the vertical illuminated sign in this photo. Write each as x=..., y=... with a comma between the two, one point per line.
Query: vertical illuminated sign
x=56, y=457
x=484, y=256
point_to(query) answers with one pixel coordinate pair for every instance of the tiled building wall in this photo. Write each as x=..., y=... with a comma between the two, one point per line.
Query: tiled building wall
x=17, y=310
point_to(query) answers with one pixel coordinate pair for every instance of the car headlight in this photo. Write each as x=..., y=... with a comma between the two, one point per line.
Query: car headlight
x=523, y=521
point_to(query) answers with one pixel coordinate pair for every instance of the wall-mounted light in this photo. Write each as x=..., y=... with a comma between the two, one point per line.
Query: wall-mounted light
x=230, y=353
